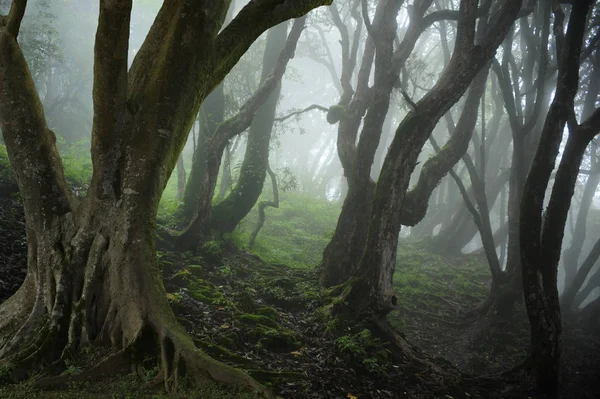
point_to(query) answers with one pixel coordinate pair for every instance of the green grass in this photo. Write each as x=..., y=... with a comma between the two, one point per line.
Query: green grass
x=295, y=234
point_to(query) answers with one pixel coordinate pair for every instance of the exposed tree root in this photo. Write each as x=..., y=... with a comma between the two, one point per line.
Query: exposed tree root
x=107, y=305
x=179, y=358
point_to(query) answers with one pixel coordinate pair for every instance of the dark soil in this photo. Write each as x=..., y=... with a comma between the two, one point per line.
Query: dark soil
x=287, y=348
x=13, y=242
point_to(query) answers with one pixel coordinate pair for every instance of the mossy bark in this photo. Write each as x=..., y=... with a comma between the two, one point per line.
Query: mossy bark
x=371, y=294
x=204, y=159
x=92, y=267
x=226, y=215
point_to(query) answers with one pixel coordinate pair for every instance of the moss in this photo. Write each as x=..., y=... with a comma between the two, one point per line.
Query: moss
x=256, y=320
x=279, y=341
x=245, y=302
x=206, y=293
x=268, y=311
x=212, y=250
x=230, y=341
x=196, y=270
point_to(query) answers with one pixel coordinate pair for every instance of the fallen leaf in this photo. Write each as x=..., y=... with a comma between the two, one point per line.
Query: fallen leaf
x=296, y=353
x=352, y=396
x=224, y=325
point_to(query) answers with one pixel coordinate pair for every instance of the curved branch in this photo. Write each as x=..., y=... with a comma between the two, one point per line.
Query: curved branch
x=302, y=111
x=417, y=199
x=254, y=19
x=242, y=120
x=263, y=205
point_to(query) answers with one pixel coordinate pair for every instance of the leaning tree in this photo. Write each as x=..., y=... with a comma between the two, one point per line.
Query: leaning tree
x=542, y=230
x=92, y=268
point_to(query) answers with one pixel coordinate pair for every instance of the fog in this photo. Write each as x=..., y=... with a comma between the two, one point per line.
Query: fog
x=385, y=125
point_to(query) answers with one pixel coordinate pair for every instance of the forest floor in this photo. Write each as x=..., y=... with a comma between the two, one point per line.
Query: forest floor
x=265, y=318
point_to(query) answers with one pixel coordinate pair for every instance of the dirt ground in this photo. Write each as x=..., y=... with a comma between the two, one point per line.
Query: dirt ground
x=266, y=320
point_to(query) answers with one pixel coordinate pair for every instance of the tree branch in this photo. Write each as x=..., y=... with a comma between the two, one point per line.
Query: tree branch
x=15, y=17
x=110, y=89
x=242, y=120
x=302, y=111
x=254, y=19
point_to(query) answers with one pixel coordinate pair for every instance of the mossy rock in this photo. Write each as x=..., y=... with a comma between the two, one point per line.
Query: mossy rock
x=245, y=302
x=205, y=292
x=257, y=320
x=268, y=311
x=279, y=341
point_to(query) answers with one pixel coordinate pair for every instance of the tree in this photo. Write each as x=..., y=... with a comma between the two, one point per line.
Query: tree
x=92, y=268
x=208, y=156
x=368, y=105
x=541, y=232
x=226, y=215
x=370, y=294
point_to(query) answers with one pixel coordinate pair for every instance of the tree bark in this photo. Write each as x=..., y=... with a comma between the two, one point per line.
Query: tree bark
x=342, y=254
x=93, y=274
x=370, y=293
x=226, y=215
x=541, y=233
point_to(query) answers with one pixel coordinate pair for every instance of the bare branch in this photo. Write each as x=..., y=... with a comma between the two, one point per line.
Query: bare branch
x=302, y=111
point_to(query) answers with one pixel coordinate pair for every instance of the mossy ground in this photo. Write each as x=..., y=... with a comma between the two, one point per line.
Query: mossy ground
x=265, y=317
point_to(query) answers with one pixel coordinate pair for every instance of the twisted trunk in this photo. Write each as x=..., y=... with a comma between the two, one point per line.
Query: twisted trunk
x=92, y=269
x=226, y=215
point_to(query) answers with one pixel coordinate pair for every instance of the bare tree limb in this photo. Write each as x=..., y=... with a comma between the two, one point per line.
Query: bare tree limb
x=302, y=111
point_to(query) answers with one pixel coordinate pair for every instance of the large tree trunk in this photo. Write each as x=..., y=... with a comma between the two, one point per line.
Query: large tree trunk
x=342, y=254
x=92, y=268
x=370, y=294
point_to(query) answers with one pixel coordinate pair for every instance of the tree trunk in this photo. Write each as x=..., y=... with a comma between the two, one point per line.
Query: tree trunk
x=212, y=113
x=180, y=178
x=342, y=254
x=215, y=146
x=572, y=254
x=370, y=294
x=225, y=216
x=541, y=233
x=93, y=274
